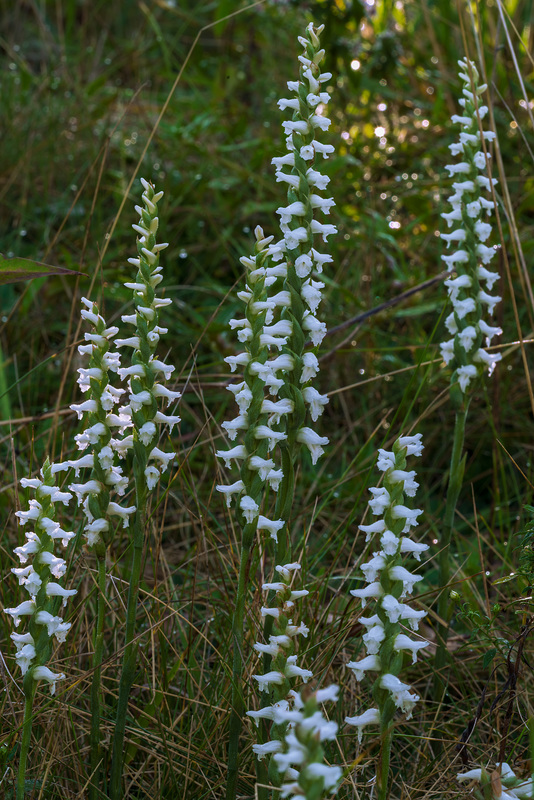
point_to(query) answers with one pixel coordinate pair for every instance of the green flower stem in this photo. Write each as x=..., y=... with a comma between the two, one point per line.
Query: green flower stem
x=262, y=767
x=456, y=474
x=30, y=687
x=386, y=739
x=96, y=700
x=130, y=649
x=284, y=501
x=282, y=554
x=238, y=705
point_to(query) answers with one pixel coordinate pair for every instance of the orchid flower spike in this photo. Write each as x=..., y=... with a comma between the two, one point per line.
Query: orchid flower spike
x=256, y=412
x=300, y=760
x=301, y=223
x=145, y=384
x=281, y=648
x=390, y=629
x=102, y=423
x=282, y=644
x=281, y=298
x=472, y=203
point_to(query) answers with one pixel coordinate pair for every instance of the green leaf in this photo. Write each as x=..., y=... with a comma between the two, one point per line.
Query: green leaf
x=22, y=269
x=506, y=579
x=488, y=657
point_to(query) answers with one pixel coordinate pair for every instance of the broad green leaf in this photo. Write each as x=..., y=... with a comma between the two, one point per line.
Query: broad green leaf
x=22, y=269
x=489, y=655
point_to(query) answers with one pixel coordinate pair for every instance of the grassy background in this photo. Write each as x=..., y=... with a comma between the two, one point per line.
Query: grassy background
x=82, y=87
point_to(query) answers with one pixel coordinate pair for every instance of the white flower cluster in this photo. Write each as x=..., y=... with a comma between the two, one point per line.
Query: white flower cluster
x=298, y=728
x=138, y=420
x=257, y=414
x=281, y=298
x=389, y=583
x=299, y=228
x=297, y=219
x=145, y=388
x=281, y=645
x=97, y=437
x=301, y=759
x=470, y=208
x=514, y=787
x=40, y=578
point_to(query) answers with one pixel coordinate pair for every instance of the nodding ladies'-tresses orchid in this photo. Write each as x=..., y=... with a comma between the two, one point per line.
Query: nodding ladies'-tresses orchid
x=255, y=411
x=146, y=389
x=281, y=298
x=299, y=169
x=388, y=585
x=283, y=651
x=472, y=204
x=97, y=438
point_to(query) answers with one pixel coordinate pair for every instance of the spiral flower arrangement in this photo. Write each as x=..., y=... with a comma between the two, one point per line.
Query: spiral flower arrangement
x=300, y=227
x=471, y=206
x=144, y=383
x=283, y=652
x=389, y=583
x=40, y=579
x=298, y=727
x=106, y=476
x=149, y=461
x=255, y=411
x=301, y=759
x=281, y=298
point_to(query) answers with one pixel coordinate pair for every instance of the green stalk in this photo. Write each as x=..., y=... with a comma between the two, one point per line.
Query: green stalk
x=284, y=501
x=5, y=405
x=130, y=649
x=238, y=705
x=382, y=767
x=26, y=736
x=456, y=474
x=96, y=706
